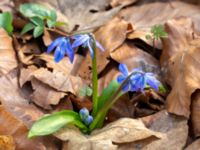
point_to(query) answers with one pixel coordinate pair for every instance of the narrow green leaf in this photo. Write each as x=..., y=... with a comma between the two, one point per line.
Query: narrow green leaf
x=6, y=21
x=58, y=23
x=49, y=124
x=37, y=21
x=38, y=31
x=27, y=27
x=107, y=93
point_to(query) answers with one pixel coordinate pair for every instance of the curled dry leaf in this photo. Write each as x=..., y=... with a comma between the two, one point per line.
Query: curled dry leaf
x=110, y=137
x=15, y=102
x=175, y=128
x=45, y=96
x=55, y=79
x=7, y=53
x=181, y=68
x=49, y=87
x=15, y=128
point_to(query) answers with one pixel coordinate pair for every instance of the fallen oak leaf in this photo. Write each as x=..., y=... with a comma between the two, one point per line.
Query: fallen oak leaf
x=56, y=79
x=180, y=64
x=174, y=127
x=45, y=96
x=7, y=53
x=122, y=131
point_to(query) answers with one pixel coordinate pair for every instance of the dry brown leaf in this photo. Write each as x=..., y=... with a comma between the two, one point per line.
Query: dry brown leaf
x=180, y=64
x=12, y=98
x=179, y=31
x=195, y=106
x=145, y=16
x=57, y=80
x=63, y=66
x=174, y=127
x=110, y=137
x=10, y=125
x=7, y=142
x=44, y=95
x=134, y=57
x=194, y=146
x=7, y=53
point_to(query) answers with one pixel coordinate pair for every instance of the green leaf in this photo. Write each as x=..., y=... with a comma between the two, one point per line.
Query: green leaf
x=36, y=10
x=158, y=31
x=37, y=21
x=58, y=23
x=27, y=27
x=107, y=93
x=51, y=23
x=38, y=31
x=85, y=91
x=49, y=124
x=6, y=21
x=162, y=89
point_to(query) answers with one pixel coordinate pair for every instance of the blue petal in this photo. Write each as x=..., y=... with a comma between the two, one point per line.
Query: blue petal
x=152, y=81
x=100, y=46
x=90, y=49
x=141, y=83
x=125, y=88
x=123, y=68
x=69, y=50
x=88, y=120
x=55, y=43
x=59, y=53
x=134, y=82
x=120, y=78
x=79, y=40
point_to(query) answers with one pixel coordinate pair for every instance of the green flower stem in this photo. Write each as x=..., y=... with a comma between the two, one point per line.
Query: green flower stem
x=99, y=118
x=94, y=80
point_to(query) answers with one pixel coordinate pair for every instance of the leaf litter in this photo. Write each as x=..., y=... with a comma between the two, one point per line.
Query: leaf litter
x=33, y=85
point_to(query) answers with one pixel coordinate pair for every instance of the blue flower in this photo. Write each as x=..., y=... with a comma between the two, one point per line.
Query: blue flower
x=62, y=46
x=88, y=120
x=84, y=113
x=138, y=80
x=85, y=116
x=86, y=40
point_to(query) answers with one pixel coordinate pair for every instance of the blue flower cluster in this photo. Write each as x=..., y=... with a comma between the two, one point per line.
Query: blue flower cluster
x=85, y=116
x=138, y=80
x=63, y=46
